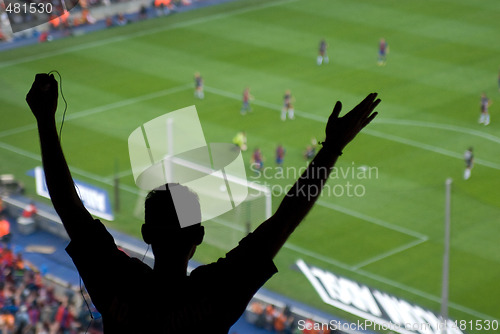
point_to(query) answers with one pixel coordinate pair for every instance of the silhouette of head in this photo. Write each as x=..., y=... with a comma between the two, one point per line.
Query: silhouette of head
x=165, y=214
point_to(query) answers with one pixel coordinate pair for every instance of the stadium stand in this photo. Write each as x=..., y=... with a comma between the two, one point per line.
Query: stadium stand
x=31, y=303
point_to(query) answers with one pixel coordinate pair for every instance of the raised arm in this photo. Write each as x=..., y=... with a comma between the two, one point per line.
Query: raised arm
x=42, y=99
x=304, y=193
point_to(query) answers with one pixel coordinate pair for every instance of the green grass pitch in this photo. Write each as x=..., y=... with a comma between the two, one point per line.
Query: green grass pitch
x=443, y=54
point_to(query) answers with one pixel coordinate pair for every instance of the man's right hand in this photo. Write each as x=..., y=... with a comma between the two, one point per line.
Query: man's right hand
x=341, y=130
x=42, y=97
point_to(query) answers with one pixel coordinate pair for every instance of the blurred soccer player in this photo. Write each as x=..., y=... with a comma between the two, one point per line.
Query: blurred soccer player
x=246, y=98
x=257, y=160
x=280, y=155
x=322, y=55
x=240, y=140
x=499, y=80
x=383, y=49
x=198, y=86
x=310, y=152
x=287, y=106
x=469, y=163
x=134, y=298
x=485, y=103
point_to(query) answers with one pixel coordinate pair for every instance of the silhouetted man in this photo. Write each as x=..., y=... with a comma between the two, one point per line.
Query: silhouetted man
x=132, y=297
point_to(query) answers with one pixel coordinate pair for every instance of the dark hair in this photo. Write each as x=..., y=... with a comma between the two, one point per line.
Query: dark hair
x=159, y=204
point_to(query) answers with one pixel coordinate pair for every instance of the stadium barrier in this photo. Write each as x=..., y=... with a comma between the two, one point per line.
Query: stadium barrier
x=44, y=219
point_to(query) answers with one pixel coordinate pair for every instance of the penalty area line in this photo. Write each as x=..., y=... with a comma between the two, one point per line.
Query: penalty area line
x=107, y=107
x=383, y=135
x=372, y=220
x=389, y=253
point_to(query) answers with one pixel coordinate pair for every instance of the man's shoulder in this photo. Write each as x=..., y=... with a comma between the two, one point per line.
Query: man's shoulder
x=247, y=257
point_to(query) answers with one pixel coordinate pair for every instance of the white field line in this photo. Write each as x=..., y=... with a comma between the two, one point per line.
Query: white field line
x=312, y=254
x=382, y=135
x=439, y=126
x=74, y=170
x=421, y=238
x=103, y=108
x=372, y=220
x=20, y=129
x=125, y=37
x=128, y=102
x=389, y=253
x=289, y=246
x=339, y=264
x=119, y=175
x=427, y=147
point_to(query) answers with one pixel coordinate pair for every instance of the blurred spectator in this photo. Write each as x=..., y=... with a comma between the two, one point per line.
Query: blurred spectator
x=64, y=319
x=54, y=21
x=109, y=21
x=30, y=210
x=44, y=37
x=280, y=322
x=163, y=7
x=7, y=321
x=26, y=222
x=256, y=315
x=21, y=321
x=273, y=319
x=290, y=320
x=5, y=235
x=309, y=327
x=143, y=13
x=270, y=314
x=87, y=18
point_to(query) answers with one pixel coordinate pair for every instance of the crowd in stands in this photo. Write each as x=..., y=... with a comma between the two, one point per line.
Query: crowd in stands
x=66, y=21
x=29, y=304
x=63, y=17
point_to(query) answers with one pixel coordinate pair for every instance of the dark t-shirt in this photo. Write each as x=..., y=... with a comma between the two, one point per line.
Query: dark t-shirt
x=132, y=299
